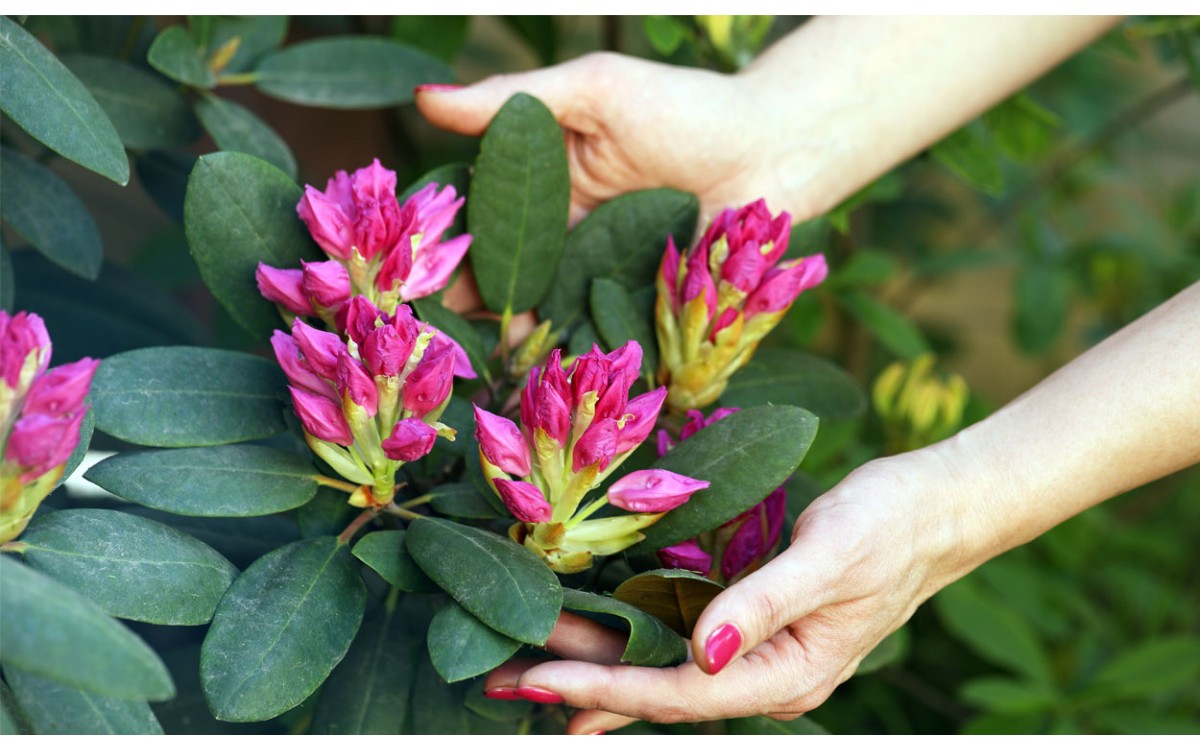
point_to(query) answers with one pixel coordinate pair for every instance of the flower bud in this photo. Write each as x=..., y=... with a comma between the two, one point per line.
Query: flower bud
x=524, y=500
x=410, y=440
x=653, y=491
x=321, y=417
x=688, y=555
x=284, y=287
x=429, y=384
x=326, y=284
x=917, y=406
x=502, y=443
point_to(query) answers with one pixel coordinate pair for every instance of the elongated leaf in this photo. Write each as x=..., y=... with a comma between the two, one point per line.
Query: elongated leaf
x=456, y=175
x=12, y=721
x=456, y=328
x=175, y=55
x=745, y=456
x=674, y=597
x=385, y=553
x=48, y=630
x=235, y=128
x=239, y=540
x=1041, y=302
x=48, y=102
x=440, y=36
x=460, y=646
x=352, y=72
x=619, y=320
x=462, y=500
x=281, y=629
x=889, y=651
x=1149, y=668
x=767, y=725
x=1006, y=696
x=623, y=240
x=518, y=205
x=228, y=480
x=992, y=630
x=54, y=708
x=784, y=376
x=440, y=708
x=539, y=33
x=256, y=35
x=370, y=690
x=47, y=213
x=651, y=642
x=502, y=584
x=240, y=210
x=132, y=567
x=147, y=111
x=973, y=159
x=897, y=334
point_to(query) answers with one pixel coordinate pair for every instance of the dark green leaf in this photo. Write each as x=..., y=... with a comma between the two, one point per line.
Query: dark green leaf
x=50, y=631
x=441, y=36
x=432, y=312
x=131, y=567
x=493, y=578
x=1151, y=668
x=146, y=110
x=864, y=268
x=235, y=128
x=582, y=339
x=765, y=725
x=327, y=514
x=889, y=651
x=1002, y=695
x=992, y=630
x=222, y=481
x=461, y=500
x=12, y=721
x=458, y=175
x=745, y=456
x=1136, y=719
x=385, y=553
x=1042, y=298
x=353, y=72
x=897, y=334
x=240, y=540
x=623, y=240
x=1022, y=128
x=256, y=34
x=85, y=439
x=490, y=708
x=784, y=376
x=665, y=34
x=460, y=646
x=164, y=175
x=972, y=159
x=619, y=320
x=47, y=213
x=651, y=642
x=8, y=286
x=517, y=211
x=184, y=396
x=54, y=708
x=439, y=708
x=175, y=55
x=281, y=629
x=239, y=211
x=674, y=597
x=539, y=33
x=48, y=102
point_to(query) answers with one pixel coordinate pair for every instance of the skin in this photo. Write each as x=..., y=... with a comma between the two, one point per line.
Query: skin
x=867, y=553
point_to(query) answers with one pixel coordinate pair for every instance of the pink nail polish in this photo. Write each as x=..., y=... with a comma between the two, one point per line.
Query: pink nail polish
x=502, y=694
x=435, y=87
x=721, y=646
x=539, y=695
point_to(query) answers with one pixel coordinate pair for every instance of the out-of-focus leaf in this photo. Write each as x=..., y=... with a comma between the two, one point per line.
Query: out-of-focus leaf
x=164, y=175
x=385, y=553
x=972, y=159
x=889, y=651
x=865, y=268
x=1002, y=695
x=7, y=283
x=619, y=321
x=1042, y=298
x=41, y=95
x=584, y=336
x=54, y=708
x=1150, y=668
x=235, y=128
x=146, y=110
x=895, y=332
x=785, y=376
x=539, y=33
x=674, y=597
x=652, y=643
x=1022, y=128
x=441, y=36
x=665, y=34
x=461, y=500
x=765, y=725
x=1138, y=720
x=460, y=646
x=12, y=720
x=256, y=36
x=992, y=630
x=176, y=56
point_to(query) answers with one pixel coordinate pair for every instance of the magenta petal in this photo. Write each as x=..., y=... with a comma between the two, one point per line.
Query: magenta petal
x=653, y=490
x=597, y=445
x=589, y=373
x=502, y=443
x=327, y=217
x=320, y=348
x=782, y=285
x=462, y=363
x=362, y=317
x=429, y=384
x=21, y=335
x=640, y=416
x=744, y=268
x=354, y=379
x=285, y=287
x=699, y=282
x=686, y=556
x=551, y=414
x=433, y=267
x=665, y=443
x=321, y=417
x=627, y=360
x=555, y=376
x=295, y=368
x=524, y=500
x=61, y=390
x=39, y=442
x=410, y=439
x=669, y=269
x=326, y=283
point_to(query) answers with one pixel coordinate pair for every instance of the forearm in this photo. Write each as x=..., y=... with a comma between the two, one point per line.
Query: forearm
x=866, y=93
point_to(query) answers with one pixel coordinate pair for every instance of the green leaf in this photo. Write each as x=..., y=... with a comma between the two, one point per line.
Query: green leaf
x=48, y=630
x=895, y=332
x=619, y=320
x=1150, y=668
x=370, y=690
x=493, y=578
x=47, y=213
x=622, y=240
x=766, y=725
x=651, y=642
x=1042, y=297
x=461, y=500
x=222, y=481
x=164, y=175
x=784, y=376
x=517, y=211
x=972, y=159
x=460, y=646
x=327, y=514
x=440, y=708
x=665, y=34
x=864, y=268
x=235, y=128
x=450, y=323
x=490, y=708
x=281, y=629
x=54, y=708
x=176, y=56
x=674, y=597
x=458, y=175
x=12, y=721
x=50, y=104
x=256, y=34
x=992, y=630
x=146, y=110
x=889, y=651
x=385, y=553
x=1002, y=695
x=240, y=210
x=8, y=286
x=1023, y=129
x=745, y=456
x=131, y=567
x=441, y=36
x=351, y=72
x=183, y=396
x=240, y=540
x=539, y=33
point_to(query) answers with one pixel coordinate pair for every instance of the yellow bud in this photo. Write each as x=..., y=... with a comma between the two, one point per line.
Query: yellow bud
x=223, y=55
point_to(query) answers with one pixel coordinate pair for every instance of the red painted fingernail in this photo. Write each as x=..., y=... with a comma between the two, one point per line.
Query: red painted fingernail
x=539, y=695
x=721, y=646
x=502, y=694
x=435, y=87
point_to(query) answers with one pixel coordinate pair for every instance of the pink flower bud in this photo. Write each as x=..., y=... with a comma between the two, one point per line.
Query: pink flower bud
x=295, y=368
x=284, y=287
x=429, y=384
x=638, y=421
x=502, y=443
x=328, y=216
x=589, y=373
x=356, y=212
x=758, y=532
x=320, y=348
x=653, y=491
x=524, y=500
x=686, y=556
x=697, y=421
x=321, y=417
x=462, y=363
x=783, y=284
x=550, y=413
x=353, y=379
x=433, y=266
x=22, y=335
x=626, y=361
x=669, y=270
x=699, y=282
x=597, y=445
x=39, y=442
x=326, y=283
x=555, y=376
x=360, y=319
x=410, y=439
x=61, y=390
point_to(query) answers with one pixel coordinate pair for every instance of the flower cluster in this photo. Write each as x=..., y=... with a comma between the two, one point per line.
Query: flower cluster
x=718, y=301
x=744, y=542
x=378, y=248
x=41, y=411
x=370, y=402
x=578, y=425
x=918, y=407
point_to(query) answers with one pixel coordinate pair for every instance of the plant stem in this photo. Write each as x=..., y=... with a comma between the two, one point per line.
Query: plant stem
x=238, y=79
x=337, y=484
x=359, y=521
x=417, y=501
x=17, y=548
x=505, y=324
x=396, y=510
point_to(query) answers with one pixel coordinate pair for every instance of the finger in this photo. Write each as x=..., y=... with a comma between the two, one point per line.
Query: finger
x=576, y=637
x=595, y=721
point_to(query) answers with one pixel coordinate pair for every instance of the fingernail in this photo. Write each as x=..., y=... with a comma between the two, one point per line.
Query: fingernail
x=539, y=695
x=502, y=694
x=435, y=87
x=721, y=646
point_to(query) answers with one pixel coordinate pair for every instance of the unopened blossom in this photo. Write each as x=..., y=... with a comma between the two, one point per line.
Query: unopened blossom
x=578, y=424
x=741, y=544
x=41, y=411
x=717, y=301
x=918, y=406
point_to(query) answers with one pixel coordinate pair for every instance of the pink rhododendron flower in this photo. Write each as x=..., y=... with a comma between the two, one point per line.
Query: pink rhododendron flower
x=653, y=490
